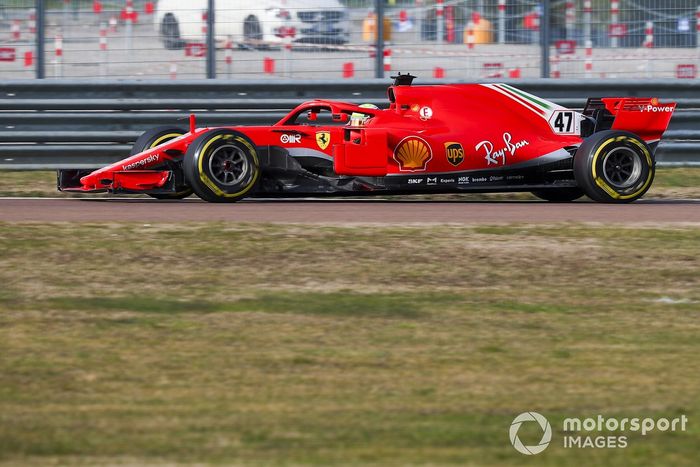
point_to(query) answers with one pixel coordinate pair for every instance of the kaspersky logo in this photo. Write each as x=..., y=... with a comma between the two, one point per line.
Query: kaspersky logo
x=546, y=433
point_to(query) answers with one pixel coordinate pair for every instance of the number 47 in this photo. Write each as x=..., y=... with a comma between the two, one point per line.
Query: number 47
x=565, y=122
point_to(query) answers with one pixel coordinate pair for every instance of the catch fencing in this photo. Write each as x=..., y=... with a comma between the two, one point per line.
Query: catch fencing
x=49, y=124
x=349, y=39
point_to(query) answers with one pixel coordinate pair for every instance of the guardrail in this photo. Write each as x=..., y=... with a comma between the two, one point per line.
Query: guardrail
x=51, y=124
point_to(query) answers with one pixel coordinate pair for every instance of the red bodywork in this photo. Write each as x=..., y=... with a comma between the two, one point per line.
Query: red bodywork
x=439, y=129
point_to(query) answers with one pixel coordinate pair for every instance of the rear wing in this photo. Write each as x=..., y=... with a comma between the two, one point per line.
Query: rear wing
x=646, y=117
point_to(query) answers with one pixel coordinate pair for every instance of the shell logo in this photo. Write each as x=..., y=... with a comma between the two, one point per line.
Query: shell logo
x=413, y=154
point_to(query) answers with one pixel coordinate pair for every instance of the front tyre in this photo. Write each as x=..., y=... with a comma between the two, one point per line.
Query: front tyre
x=222, y=166
x=155, y=137
x=614, y=167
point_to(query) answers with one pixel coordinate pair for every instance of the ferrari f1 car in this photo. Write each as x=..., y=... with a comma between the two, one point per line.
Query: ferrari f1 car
x=431, y=139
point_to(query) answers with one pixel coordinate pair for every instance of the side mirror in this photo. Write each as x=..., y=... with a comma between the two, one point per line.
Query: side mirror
x=341, y=117
x=312, y=116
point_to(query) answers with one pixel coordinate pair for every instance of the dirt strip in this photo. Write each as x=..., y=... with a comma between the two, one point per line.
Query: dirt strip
x=345, y=211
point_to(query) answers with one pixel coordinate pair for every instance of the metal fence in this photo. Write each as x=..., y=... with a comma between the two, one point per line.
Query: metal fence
x=73, y=124
x=348, y=39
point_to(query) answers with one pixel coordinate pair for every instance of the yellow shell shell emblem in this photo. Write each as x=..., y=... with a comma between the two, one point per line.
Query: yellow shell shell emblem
x=323, y=138
x=413, y=154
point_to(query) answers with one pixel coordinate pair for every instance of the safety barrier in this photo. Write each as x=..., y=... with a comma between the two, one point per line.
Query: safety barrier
x=448, y=38
x=81, y=124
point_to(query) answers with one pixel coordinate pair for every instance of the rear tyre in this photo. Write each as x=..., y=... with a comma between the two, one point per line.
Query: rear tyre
x=155, y=137
x=559, y=195
x=222, y=166
x=170, y=31
x=614, y=167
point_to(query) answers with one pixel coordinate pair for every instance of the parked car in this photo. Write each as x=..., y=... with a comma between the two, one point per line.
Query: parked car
x=265, y=22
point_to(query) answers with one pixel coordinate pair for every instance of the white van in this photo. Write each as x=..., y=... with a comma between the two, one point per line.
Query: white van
x=262, y=22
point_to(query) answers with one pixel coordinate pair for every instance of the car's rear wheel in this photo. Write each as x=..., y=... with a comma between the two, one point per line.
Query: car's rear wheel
x=170, y=31
x=559, y=195
x=155, y=137
x=614, y=167
x=222, y=166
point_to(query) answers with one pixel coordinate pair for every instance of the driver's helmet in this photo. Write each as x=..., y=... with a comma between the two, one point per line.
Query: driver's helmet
x=359, y=119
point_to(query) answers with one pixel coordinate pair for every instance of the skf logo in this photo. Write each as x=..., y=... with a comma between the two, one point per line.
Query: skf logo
x=412, y=154
x=290, y=139
x=323, y=139
x=454, y=153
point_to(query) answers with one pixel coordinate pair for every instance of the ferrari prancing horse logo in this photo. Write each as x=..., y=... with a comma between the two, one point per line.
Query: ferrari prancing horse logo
x=323, y=139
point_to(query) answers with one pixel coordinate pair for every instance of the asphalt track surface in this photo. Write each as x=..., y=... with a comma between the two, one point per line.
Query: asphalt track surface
x=364, y=211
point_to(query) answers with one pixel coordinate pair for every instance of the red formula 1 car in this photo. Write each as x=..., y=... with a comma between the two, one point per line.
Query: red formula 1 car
x=430, y=139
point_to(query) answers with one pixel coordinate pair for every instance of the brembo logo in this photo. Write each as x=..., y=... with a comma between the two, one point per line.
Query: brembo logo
x=142, y=162
x=653, y=108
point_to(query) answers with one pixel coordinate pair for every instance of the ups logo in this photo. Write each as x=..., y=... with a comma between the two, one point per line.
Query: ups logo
x=454, y=153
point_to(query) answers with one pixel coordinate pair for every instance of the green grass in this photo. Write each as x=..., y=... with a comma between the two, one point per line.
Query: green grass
x=333, y=304
x=279, y=345
x=680, y=177
x=670, y=182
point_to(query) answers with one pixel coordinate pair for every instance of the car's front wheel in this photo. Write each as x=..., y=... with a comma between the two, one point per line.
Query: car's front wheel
x=222, y=165
x=614, y=167
x=155, y=137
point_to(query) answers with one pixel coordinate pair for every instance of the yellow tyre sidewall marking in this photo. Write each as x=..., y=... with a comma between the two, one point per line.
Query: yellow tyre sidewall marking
x=209, y=183
x=162, y=139
x=607, y=188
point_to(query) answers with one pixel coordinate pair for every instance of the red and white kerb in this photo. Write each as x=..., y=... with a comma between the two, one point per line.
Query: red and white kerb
x=58, y=45
x=570, y=15
x=31, y=21
x=130, y=11
x=649, y=35
x=471, y=39
x=228, y=51
x=103, y=37
x=588, y=64
x=15, y=30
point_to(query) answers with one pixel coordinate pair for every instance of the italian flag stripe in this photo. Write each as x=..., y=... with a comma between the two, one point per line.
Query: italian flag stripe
x=527, y=96
x=520, y=100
